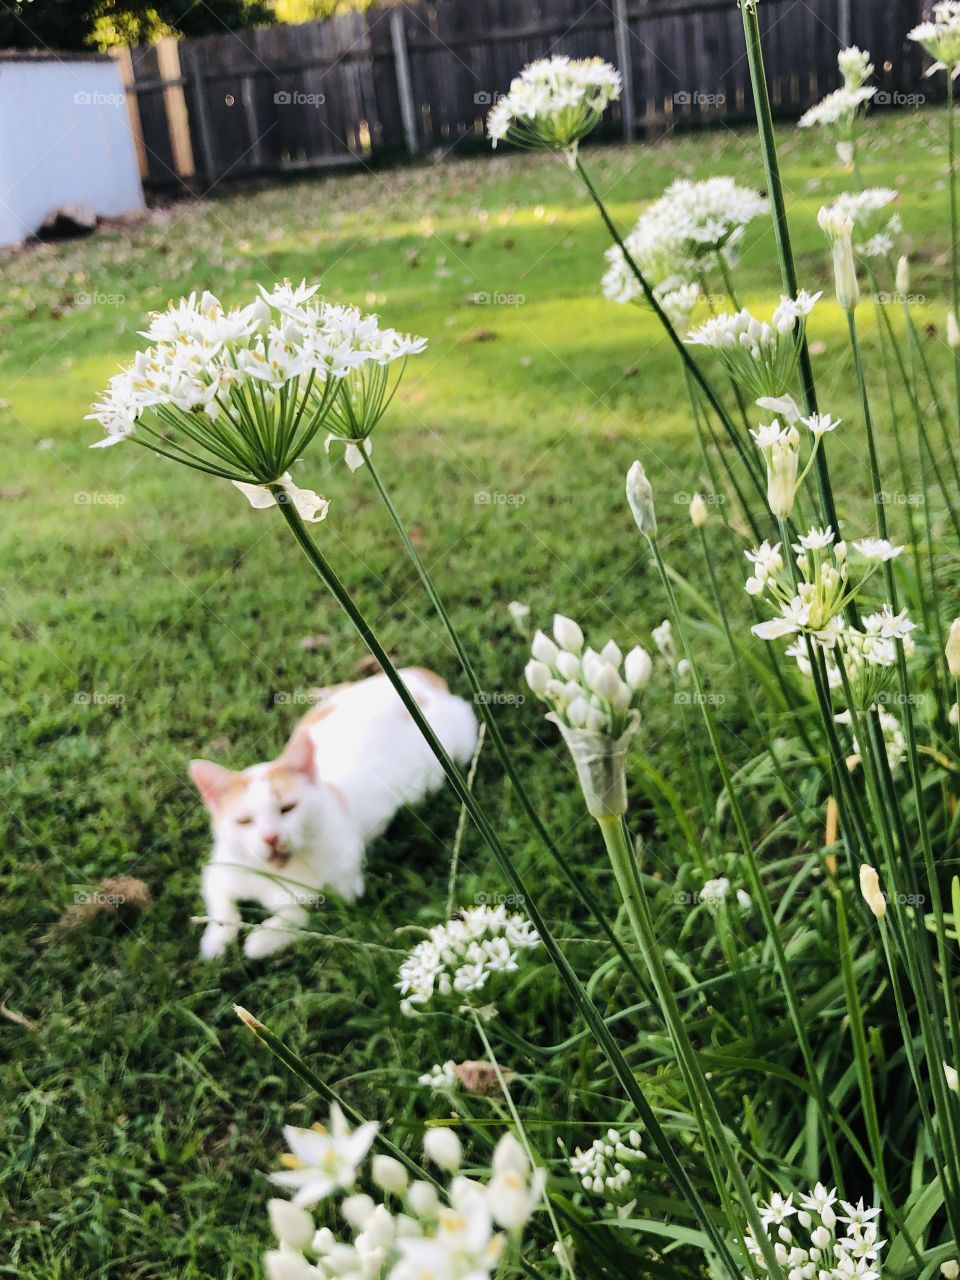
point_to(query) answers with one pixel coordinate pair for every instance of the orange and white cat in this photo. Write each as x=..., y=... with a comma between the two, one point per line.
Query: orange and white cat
x=285, y=831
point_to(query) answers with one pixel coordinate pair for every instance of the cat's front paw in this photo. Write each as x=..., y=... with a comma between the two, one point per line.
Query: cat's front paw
x=268, y=938
x=216, y=938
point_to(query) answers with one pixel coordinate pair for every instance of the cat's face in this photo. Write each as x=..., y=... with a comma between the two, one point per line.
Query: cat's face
x=268, y=813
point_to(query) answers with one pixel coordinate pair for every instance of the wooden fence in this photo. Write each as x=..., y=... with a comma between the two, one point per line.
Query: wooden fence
x=420, y=76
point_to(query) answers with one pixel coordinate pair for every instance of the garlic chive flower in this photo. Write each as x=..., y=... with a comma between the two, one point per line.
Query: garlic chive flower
x=241, y=392
x=894, y=740
x=872, y=228
x=820, y=1236
x=640, y=499
x=871, y=892
x=839, y=231
x=940, y=38
x=693, y=228
x=553, y=103
x=460, y=956
x=780, y=448
x=759, y=356
x=323, y=1160
x=824, y=589
x=841, y=111
x=594, y=700
x=460, y=1230
x=609, y=1165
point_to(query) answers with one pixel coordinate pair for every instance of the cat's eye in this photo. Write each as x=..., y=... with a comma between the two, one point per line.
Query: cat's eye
x=285, y=808
x=244, y=822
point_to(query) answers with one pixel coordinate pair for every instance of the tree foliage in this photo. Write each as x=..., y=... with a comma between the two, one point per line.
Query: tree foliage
x=81, y=25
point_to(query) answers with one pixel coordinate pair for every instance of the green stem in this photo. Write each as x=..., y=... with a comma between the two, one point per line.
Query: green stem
x=503, y=752
x=578, y=993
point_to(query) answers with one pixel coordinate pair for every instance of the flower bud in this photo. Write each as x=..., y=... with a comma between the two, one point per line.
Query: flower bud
x=952, y=1078
x=698, y=511
x=611, y=653
x=510, y=1157
x=567, y=634
x=845, y=273
x=537, y=676
x=953, y=331
x=604, y=681
x=568, y=664
x=389, y=1175
x=291, y=1224
x=845, y=152
x=357, y=1209
x=871, y=891
x=423, y=1199
x=544, y=650
x=638, y=668
x=950, y=1270
x=577, y=712
x=640, y=498
x=903, y=274
x=442, y=1146
x=952, y=649
x=284, y=1265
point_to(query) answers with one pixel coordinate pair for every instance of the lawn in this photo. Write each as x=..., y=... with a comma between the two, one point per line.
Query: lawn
x=152, y=616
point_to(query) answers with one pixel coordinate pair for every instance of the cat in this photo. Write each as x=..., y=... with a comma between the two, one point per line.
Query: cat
x=285, y=831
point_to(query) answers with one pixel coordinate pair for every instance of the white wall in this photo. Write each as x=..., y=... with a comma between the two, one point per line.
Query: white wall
x=64, y=135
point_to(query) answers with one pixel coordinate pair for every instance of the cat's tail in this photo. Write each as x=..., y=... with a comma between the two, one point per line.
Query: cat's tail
x=452, y=719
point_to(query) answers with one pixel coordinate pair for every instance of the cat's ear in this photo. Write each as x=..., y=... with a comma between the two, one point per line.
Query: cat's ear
x=298, y=756
x=210, y=779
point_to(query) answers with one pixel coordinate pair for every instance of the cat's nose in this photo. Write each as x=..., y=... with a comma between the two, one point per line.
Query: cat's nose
x=272, y=839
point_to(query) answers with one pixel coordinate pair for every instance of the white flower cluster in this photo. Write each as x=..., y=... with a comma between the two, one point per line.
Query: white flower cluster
x=780, y=448
x=663, y=639
x=609, y=1164
x=813, y=1241
x=940, y=38
x=675, y=239
x=461, y=955
x=554, y=102
x=893, y=737
x=598, y=692
x=840, y=111
x=462, y=1233
x=232, y=380
x=813, y=607
x=815, y=603
x=715, y=892
x=441, y=1078
x=760, y=356
x=873, y=233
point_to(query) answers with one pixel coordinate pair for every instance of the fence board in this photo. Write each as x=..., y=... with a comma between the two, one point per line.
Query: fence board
x=287, y=98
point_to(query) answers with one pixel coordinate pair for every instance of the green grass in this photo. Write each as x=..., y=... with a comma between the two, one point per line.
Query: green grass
x=151, y=616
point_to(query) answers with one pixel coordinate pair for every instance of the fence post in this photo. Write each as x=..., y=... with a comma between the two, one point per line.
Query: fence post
x=199, y=113
x=404, y=89
x=175, y=106
x=124, y=60
x=621, y=26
